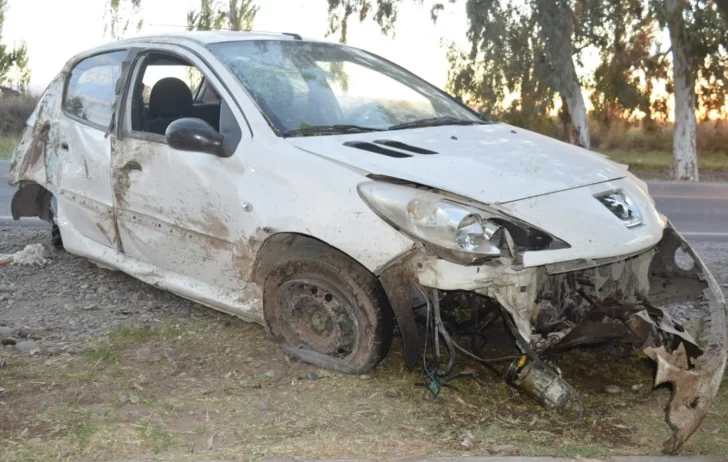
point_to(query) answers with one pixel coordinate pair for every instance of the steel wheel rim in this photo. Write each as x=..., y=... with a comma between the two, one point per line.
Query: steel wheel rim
x=314, y=314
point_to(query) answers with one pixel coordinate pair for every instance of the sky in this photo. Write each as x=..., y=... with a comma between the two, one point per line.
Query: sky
x=55, y=30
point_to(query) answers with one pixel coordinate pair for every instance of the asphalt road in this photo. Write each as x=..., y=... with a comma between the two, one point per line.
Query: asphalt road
x=698, y=210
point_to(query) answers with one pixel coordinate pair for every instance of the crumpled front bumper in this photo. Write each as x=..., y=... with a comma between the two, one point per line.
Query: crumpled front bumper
x=695, y=385
x=689, y=297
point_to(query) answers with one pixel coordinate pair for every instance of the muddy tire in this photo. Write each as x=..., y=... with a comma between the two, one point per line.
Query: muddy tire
x=324, y=308
x=56, y=239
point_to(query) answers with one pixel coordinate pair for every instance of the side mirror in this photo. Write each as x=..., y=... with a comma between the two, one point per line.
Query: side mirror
x=191, y=134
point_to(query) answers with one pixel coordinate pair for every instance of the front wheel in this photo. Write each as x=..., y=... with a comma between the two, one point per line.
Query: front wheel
x=326, y=309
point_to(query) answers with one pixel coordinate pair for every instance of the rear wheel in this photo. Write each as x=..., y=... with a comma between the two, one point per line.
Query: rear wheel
x=56, y=239
x=324, y=308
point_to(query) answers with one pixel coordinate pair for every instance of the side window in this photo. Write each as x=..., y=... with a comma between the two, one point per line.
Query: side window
x=91, y=88
x=206, y=94
x=163, y=93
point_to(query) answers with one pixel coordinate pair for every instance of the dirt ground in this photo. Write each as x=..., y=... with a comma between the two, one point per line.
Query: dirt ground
x=101, y=366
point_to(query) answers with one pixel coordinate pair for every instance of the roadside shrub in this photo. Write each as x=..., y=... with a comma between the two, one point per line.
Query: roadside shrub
x=711, y=136
x=14, y=111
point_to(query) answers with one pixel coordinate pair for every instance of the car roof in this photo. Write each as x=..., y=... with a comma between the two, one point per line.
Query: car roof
x=190, y=37
x=207, y=37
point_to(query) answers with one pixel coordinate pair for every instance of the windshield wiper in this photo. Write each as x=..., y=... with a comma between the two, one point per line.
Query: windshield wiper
x=434, y=122
x=329, y=130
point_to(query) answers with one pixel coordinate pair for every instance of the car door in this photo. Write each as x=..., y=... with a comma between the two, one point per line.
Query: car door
x=179, y=211
x=85, y=195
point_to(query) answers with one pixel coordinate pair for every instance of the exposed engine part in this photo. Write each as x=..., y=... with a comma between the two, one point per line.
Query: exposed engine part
x=543, y=384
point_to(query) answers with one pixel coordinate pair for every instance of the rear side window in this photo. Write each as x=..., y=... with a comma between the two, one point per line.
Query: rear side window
x=91, y=88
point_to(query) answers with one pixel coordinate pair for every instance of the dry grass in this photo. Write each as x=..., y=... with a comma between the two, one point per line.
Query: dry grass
x=14, y=112
x=191, y=405
x=662, y=160
x=652, y=151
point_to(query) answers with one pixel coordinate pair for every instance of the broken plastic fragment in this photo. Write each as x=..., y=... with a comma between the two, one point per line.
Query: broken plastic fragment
x=693, y=390
x=33, y=254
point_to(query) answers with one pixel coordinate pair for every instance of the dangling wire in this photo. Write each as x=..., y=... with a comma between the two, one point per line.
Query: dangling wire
x=434, y=386
x=440, y=331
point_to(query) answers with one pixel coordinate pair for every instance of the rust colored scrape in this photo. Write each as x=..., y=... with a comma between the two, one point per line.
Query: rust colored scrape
x=121, y=186
x=213, y=225
x=246, y=252
x=37, y=149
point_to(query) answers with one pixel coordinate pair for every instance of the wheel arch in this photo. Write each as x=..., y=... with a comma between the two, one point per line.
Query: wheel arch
x=275, y=245
x=31, y=200
x=391, y=283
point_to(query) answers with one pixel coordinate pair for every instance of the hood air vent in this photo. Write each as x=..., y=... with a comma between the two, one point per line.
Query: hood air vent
x=371, y=147
x=404, y=147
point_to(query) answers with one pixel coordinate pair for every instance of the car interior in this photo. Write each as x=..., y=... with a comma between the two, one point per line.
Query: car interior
x=171, y=97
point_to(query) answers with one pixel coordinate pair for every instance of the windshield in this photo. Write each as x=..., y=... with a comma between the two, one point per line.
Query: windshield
x=304, y=86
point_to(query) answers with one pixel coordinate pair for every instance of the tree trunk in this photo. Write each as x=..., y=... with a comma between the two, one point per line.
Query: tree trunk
x=579, y=127
x=233, y=14
x=684, y=152
x=556, y=21
x=570, y=135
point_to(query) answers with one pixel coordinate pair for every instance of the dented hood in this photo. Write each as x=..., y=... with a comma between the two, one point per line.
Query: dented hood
x=489, y=163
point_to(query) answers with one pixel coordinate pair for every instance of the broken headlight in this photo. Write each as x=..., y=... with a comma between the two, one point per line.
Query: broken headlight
x=458, y=232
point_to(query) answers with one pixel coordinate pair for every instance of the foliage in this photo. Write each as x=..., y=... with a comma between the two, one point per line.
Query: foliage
x=14, y=68
x=119, y=15
x=385, y=14
x=242, y=15
x=632, y=63
x=212, y=15
x=14, y=112
x=208, y=17
x=706, y=42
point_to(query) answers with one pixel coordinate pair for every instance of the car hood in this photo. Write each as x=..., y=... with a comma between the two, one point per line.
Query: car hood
x=492, y=163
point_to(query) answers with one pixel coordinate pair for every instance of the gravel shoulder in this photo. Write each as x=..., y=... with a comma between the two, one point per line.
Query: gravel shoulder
x=100, y=366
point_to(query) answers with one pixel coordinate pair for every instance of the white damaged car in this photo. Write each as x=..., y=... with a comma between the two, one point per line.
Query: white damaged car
x=337, y=199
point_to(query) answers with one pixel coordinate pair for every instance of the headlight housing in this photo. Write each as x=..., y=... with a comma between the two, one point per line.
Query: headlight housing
x=458, y=232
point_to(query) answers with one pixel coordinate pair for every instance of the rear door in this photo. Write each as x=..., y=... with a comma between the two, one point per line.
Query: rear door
x=85, y=197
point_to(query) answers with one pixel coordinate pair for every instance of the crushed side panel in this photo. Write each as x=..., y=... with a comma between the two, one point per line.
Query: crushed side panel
x=35, y=159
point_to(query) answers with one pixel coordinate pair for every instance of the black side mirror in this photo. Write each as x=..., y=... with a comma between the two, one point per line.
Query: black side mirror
x=191, y=134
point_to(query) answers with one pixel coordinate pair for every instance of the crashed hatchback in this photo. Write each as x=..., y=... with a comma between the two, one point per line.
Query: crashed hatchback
x=337, y=199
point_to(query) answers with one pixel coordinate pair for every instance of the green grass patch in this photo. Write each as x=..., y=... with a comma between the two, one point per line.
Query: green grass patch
x=101, y=353
x=155, y=437
x=84, y=429
x=7, y=145
x=662, y=160
x=127, y=335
